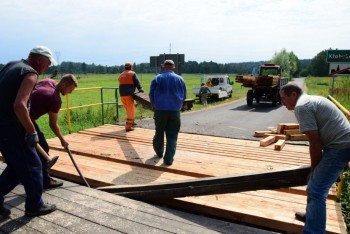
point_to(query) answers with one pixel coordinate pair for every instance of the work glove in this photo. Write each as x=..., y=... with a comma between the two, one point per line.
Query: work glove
x=32, y=139
x=141, y=91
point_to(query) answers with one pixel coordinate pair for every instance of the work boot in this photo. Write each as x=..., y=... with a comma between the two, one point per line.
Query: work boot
x=4, y=211
x=301, y=216
x=45, y=209
x=129, y=125
x=129, y=129
x=53, y=184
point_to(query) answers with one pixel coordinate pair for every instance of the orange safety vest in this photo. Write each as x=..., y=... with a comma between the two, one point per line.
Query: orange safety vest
x=126, y=77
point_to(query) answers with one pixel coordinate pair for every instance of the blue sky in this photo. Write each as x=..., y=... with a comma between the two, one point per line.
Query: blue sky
x=111, y=32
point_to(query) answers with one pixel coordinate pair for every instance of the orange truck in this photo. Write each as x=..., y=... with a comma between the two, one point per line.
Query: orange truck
x=265, y=85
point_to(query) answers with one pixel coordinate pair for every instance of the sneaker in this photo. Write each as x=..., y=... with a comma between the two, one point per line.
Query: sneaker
x=45, y=209
x=53, y=184
x=301, y=216
x=4, y=211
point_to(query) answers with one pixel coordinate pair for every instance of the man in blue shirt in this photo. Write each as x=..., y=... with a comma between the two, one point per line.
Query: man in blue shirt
x=167, y=94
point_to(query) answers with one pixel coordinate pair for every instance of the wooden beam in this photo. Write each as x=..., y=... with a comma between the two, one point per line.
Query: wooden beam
x=291, y=131
x=143, y=99
x=214, y=185
x=298, y=137
x=262, y=133
x=280, y=144
x=291, y=126
x=282, y=126
x=277, y=136
x=267, y=141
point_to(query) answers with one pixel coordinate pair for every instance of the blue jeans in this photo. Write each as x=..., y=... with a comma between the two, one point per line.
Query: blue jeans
x=167, y=122
x=43, y=143
x=322, y=178
x=23, y=165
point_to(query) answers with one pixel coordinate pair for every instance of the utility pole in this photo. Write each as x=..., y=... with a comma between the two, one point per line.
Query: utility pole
x=170, y=48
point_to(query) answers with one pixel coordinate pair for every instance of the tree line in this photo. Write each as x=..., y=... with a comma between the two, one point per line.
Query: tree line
x=289, y=62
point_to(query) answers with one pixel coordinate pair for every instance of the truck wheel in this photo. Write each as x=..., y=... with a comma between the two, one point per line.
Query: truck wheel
x=250, y=97
x=274, y=103
x=274, y=100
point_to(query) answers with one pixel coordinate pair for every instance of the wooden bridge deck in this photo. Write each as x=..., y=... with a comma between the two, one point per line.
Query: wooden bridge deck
x=106, y=155
x=86, y=210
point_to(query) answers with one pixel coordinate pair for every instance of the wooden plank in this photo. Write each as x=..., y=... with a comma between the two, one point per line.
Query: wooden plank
x=280, y=144
x=247, y=208
x=283, y=126
x=217, y=185
x=86, y=210
x=201, y=156
x=298, y=137
x=277, y=136
x=261, y=133
x=136, y=150
x=143, y=99
x=267, y=141
x=291, y=131
x=291, y=126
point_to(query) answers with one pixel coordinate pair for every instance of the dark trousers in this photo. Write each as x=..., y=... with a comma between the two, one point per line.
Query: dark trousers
x=167, y=122
x=43, y=143
x=23, y=165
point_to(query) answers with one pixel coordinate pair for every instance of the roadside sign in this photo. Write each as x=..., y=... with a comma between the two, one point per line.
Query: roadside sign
x=339, y=67
x=338, y=56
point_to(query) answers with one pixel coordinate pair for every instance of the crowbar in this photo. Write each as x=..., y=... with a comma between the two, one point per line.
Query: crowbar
x=76, y=167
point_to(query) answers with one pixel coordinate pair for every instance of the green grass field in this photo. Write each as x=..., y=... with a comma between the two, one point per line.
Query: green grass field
x=324, y=86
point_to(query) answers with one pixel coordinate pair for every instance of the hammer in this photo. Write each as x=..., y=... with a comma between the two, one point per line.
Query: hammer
x=50, y=161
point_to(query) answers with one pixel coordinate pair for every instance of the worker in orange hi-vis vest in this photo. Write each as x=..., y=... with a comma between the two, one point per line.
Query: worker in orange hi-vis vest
x=128, y=82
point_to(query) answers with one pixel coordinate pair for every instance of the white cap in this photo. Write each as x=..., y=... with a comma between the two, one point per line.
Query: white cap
x=44, y=51
x=169, y=63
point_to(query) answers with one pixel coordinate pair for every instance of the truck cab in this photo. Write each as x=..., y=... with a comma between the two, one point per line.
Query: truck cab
x=220, y=86
x=269, y=69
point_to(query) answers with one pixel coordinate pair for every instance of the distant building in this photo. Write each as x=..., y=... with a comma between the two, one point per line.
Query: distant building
x=157, y=61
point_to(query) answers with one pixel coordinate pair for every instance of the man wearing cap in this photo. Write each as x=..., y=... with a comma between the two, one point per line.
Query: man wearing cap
x=17, y=132
x=128, y=82
x=46, y=99
x=167, y=93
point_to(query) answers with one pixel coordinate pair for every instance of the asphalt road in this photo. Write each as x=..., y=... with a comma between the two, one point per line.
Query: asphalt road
x=233, y=120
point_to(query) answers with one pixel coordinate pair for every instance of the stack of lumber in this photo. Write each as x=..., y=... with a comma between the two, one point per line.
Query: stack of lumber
x=253, y=81
x=267, y=80
x=247, y=81
x=278, y=136
x=239, y=79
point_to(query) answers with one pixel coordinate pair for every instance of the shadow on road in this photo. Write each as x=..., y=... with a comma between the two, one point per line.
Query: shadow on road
x=261, y=108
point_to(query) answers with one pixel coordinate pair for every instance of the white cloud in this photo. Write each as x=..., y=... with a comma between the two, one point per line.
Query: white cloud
x=113, y=31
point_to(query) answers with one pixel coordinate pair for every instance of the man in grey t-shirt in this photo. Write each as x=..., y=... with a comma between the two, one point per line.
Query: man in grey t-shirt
x=328, y=132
